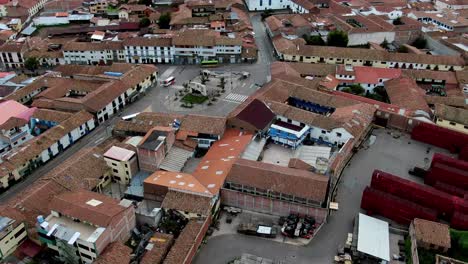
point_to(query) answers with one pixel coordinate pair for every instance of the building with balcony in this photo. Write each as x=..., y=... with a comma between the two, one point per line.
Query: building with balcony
x=12, y=234
x=82, y=224
x=14, y=125
x=149, y=50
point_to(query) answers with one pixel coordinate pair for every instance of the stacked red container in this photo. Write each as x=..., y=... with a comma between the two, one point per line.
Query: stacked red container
x=448, y=170
x=394, y=208
x=463, y=155
x=450, y=189
x=411, y=191
x=440, y=137
x=459, y=221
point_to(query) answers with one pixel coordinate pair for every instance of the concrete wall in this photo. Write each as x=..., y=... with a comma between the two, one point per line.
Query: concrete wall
x=9, y=243
x=452, y=125
x=364, y=38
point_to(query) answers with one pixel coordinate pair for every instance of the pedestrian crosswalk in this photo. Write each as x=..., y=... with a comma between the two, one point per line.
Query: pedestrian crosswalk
x=235, y=98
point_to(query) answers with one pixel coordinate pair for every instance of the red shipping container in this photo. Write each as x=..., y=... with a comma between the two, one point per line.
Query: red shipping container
x=447, y=160
x=394, y=208
x=459, y=221
x=420, y=194
x=450, y=189
x=447, y=174
x=460, y=205
x=439, y=136
x=463, y=155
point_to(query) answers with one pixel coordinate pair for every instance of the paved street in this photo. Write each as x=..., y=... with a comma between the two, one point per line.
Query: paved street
x=390, y=154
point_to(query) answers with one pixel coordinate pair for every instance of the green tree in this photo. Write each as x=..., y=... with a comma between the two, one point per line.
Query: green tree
x=398, y=21
x=164, y=21
x=420, y=43
x=314, y=40
x=354, y=89
x=31, y=63
x=384, y=44
x=144, y=22
x=337, y=38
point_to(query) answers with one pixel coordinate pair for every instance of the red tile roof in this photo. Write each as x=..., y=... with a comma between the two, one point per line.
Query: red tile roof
x=91, y=207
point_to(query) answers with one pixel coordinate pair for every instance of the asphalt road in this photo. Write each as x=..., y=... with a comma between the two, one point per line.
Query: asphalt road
x=393, y=155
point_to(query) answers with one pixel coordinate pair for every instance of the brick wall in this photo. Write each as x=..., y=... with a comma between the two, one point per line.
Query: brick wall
x=198, y=241
x=270, y=206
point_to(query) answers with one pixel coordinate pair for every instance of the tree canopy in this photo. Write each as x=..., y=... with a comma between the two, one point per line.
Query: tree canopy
x=31, y=63
x=337, y=38
x=314, y=40
x=164, y=21
x=144, y=22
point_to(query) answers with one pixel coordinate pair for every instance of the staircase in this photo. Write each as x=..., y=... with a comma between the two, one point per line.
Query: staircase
x=176, y=159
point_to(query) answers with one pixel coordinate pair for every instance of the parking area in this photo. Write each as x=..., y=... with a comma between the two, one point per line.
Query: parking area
x=391, y=152
x=248, y=217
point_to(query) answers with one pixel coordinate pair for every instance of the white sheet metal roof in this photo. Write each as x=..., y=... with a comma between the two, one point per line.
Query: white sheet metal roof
x=373, y=237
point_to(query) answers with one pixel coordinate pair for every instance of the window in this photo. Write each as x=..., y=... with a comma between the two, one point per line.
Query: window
x=338, y=134
x=83, y=247
x=324, y=132
x=261, y=2
x=452, y=123
x=114, y=170
x=465, y=127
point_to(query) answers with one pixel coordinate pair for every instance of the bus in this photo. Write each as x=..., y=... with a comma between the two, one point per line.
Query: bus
x=169, y=81
x=209, y=63
x=130, y=117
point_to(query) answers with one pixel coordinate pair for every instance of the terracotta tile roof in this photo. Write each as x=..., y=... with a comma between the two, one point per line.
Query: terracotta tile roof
x=51, y=115
x=215, y=165
x=299, y=164
x=94, y=46
x=187, y=202
x=40, y=143
x=13, y=122
x=448, y=76
x=177, y=181
x=300, y=183
x=35, y=200
x=404, y=92
x=161, y=245
x=185, y=242
x=204, y=124
x=195, y=37
x=372, y=55
x=355, y=118
x=455, y=101
x=150, y=42
x=73, y=176
x=115, y=253
x=310, y=69
x=74, y=69
x=454, y=114
x=256, y=114
x=432, y=232
x=13, y=47
x=303, y=116
x=95, y=208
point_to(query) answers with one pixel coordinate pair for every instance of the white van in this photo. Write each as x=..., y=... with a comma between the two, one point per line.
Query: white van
x=169, y=81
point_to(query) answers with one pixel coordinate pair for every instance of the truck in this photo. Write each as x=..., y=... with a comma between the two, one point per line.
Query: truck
x=257, y=230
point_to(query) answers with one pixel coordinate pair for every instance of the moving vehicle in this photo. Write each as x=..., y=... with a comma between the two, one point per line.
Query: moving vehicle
x=169, y=81
x=209, y=63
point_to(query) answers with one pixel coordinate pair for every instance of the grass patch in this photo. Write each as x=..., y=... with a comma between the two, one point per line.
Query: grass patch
x=409, y=259
x=459, y=245
x=194, y=99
